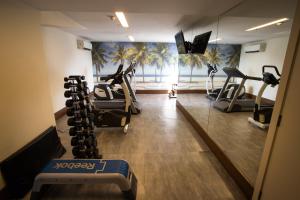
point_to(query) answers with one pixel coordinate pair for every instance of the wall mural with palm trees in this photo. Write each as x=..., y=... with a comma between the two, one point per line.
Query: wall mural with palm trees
x=159, y=63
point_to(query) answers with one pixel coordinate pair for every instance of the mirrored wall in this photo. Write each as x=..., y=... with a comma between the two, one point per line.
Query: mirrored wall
x=234, y=119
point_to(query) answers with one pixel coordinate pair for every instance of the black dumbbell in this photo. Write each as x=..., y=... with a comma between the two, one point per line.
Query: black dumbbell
x=89, y=108
x=72, y=112
x=75, y=130
x=81, y=103
x=79, y=152
x=74, y=78
x=86, y=91
x=77, y=141
x=91, y=151
x=90, y=141
x=79, y=94
x=79, y=86
x=74, y=121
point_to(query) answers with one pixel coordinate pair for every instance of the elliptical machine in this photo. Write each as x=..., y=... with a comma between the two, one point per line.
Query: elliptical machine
x=106, y=91
x=213, y=93
x=263, y=113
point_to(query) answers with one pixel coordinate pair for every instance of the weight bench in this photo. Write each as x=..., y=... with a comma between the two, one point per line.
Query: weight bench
x=87, y=171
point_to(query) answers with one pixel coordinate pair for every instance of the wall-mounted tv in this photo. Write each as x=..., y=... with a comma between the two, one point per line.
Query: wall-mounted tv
x=200, y=43
x=198, y=46
x=180, y=43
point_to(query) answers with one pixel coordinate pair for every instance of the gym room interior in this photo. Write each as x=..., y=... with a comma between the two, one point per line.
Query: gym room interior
x=152, y=100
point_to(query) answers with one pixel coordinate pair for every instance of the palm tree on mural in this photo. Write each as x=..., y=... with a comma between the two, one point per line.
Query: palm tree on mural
x=196, y=61
x=233, y=59
x=213, y=56
x=161, y=50
x=99, y=57
x=182, y=62
x=120, y=54
x=139, y=53
x=155, y=61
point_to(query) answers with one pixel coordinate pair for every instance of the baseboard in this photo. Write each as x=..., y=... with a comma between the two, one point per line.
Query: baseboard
x=152, y=91
x=237, y=176
x=60, y=113
x=167, y=91
x=199, y=91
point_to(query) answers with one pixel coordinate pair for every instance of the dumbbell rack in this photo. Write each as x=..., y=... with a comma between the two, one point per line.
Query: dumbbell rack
x=79, y=111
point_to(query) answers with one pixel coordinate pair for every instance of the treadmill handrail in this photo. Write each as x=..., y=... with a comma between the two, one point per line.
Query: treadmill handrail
x=130, y=68
x=254, y=78
x=111, y=76
x=234, y=72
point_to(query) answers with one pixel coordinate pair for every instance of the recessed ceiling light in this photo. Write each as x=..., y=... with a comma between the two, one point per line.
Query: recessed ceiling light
x=121, y=17
x=214, y=40
x=131, y=38
x=279, y=21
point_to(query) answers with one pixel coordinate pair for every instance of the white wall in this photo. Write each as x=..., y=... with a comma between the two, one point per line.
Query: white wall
x=251, y=64
x=64, y=59
x=25, y=105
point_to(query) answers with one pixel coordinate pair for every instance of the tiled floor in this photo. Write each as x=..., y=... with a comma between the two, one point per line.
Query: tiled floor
x=169, y=158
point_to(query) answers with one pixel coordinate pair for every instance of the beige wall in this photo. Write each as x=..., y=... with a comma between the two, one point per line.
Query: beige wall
x=64, y=59
x=25, y=105
x=282, y=179
x=251, y=64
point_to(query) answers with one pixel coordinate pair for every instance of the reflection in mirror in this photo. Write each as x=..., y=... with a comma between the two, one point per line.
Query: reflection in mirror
x=192, y=71
x=237, y=77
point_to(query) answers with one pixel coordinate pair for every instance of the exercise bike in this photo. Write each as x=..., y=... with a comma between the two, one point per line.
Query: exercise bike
x=263, y=113
x=213, y=93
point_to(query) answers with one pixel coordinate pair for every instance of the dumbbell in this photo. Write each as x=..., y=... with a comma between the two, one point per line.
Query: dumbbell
x=73, y=112
x=79, y=94
x=77, y=141
x=86, y=90
x=91, y=152
x=74, y=78
x=90, y=141
x=74, y=121
x=75, y=131
x=80, y=86
x=79, y=131
x=79, y=152
x=81, y=103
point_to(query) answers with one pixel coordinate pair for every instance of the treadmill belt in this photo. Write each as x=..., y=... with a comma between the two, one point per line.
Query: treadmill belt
x=242, y=105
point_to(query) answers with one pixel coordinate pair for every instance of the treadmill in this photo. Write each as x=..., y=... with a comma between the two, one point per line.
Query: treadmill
x=235, y=104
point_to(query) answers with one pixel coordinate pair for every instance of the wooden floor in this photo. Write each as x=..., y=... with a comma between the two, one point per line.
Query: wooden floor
x=242, y=142
x=169, y=158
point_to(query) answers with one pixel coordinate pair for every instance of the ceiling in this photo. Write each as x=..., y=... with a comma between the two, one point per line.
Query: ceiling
x=231, y=26
x=159, y=20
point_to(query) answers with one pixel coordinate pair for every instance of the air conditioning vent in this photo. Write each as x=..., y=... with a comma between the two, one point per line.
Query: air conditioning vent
x=86, y=45
x=254, y=48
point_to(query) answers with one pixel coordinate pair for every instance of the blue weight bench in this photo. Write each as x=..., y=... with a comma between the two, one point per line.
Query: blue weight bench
x=87, y=171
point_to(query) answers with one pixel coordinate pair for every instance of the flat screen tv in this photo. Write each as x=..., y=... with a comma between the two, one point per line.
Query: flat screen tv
x=200, y=43
x=180, y=43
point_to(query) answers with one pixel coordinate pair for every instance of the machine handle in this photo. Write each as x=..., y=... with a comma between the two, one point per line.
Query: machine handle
x=112, y=76
x=271, y=66
x=130, y=68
